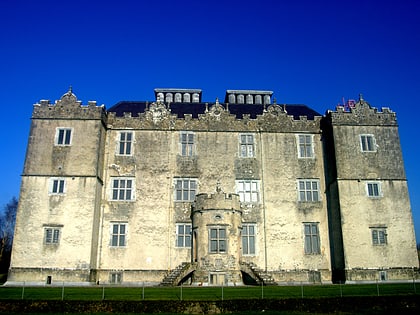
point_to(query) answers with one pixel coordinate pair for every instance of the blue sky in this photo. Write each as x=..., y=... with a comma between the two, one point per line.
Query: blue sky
x=310, y=52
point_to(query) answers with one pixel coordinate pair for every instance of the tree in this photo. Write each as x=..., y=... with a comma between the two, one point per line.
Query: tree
x=7, y=227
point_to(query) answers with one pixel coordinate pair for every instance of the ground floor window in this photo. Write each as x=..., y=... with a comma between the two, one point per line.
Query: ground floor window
x=248, y=239
x=217, y=240
x=311, y=231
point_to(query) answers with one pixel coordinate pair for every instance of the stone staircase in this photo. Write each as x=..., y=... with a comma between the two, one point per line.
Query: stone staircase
x=174, y=277
x=258, y=274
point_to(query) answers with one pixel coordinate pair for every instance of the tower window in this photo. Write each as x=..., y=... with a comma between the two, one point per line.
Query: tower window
x=125, y=143
x=63, y=136
x=217, y=240
x=367, y=143
x=305, y=146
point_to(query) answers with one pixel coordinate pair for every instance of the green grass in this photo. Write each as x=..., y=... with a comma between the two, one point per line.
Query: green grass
x=203, y=293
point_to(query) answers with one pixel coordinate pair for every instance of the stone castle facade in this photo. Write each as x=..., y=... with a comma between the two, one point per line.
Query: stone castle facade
x=177, y=190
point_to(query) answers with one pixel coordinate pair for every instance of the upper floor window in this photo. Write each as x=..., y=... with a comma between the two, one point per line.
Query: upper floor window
x=246, y=145
x=122, y=189
x=183, y=235
x=217, y=240
x=373, y=189
x=185, y=189
x=51, y=235
x=367, y=143
x=312, y=243
x=63, y=136
x=125, y=143
x=305, y=146
x=187, y=143
x=248, y=239
x=308, y=190
x=248, y=190
x=379, y=236
x=118, y=234
x=57, y=186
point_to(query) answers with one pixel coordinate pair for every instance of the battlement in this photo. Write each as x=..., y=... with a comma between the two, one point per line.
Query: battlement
x=216, y=201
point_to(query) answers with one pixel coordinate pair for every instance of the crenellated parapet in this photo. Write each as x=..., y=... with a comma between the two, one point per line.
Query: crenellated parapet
x=68, y=107
x=363, y=114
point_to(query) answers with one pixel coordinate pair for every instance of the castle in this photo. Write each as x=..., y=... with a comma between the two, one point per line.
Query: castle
x=245, y=191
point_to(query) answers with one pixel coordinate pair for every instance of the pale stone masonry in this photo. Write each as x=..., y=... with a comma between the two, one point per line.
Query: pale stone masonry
x=177, y=190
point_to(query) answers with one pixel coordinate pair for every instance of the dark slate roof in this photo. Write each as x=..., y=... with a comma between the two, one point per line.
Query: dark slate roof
x=194, y=109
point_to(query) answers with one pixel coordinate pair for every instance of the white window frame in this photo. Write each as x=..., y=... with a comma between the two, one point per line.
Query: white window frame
x=125, y=146
x=57, y=186
x=185, y=189
x=248, y=190
x=66, y=138
x=305, y=148
x=374, y=189
x=116, y=236
x=125, y=188
x=306, y=190
x=52, y=235
x=367, y=143
x=246, y=145
x=312, y=242
x=187, y=143
x=116, y=277
x=379, y=236
x=183, y=235
x=218, y=241
x=249, y=233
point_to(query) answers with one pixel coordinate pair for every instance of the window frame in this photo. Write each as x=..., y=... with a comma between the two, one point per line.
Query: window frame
x=183, y=193
x=187, y=146
x=57, y=186
x=218, y=244
x=304, y=146
x=374, y=189
x=115, y=192
x=65, y=139
x=305, y=190
x=52, y=235
x=251, y=195
x=312, y=241
x=249, y=239
x=246, y=147
x=118, y=235
x=379, y=236
x=365, y=144
x=184, y=236
x=124, y=145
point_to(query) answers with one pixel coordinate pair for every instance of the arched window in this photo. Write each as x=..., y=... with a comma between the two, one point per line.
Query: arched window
x=195, y=98
x=249, y=99
x=169, y=97
x=187, y=97
x=258, y=99
x=232, y=98
x=178, y=98
x=240, y=99
x=160, y=97
x=267, y=99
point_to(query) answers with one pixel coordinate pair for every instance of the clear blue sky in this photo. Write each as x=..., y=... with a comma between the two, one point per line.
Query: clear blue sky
x=310, y=52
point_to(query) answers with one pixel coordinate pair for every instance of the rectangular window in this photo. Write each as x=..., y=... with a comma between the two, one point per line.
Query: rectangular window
x=51, y=236
x=373, y=189
x=379, y=236
x=57, y=186
x=122, y=189
x=367, y=143
x=185, y=189
x=308, y=190
x=312, y=245
x=217, y=240
x=115, y=277
x=187, y=144
x=125, y=143
x=63, y=136
x=118, y=234
x=246, y=145
x=248, y=239
x=183, y=235
x=305, y=146
x=248, y=190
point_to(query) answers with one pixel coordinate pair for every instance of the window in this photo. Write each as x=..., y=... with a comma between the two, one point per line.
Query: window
x=118, y=234
x=63, y=136
x=305, y=146
x=122, y=189
x=311, y=238
x=125, y=143
x=57, y=186
x=51, y=235
x=217, y=240
x=185, y=189
x=367, y=143
x=248, y=239
x=248, y=190
x=187, y=143
x=379, y=236
x=115, y=277
x=183, y=235
x=308, y=190
x=246, y=145
x=373, y=189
